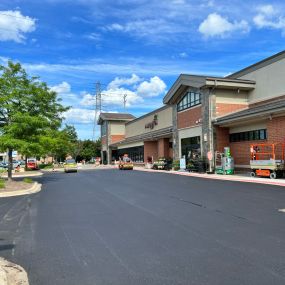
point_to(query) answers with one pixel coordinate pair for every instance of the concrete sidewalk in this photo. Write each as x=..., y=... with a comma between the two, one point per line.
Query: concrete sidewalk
x=24, y=174
x=235, y=177
x=82, y=167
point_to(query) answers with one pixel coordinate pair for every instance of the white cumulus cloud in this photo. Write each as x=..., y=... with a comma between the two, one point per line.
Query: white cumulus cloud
x=152, y=88
x=269, y=17
x=87, y=100
x=79, y=116
x=116, y=97
x=63, y=87
x=217, y=26
x=14, y=26
x=133, y=88
x=119, y=81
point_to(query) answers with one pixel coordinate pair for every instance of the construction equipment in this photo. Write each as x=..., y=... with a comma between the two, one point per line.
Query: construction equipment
x=126, y=163
x=224, y=162
x=267, y=160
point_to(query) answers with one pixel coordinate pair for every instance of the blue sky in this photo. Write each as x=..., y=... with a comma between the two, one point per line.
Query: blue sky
x=137, y=48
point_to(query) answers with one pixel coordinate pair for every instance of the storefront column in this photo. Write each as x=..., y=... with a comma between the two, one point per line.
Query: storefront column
x=163, y=147
x=207, y=126
x=150, y=150
x=176, y=142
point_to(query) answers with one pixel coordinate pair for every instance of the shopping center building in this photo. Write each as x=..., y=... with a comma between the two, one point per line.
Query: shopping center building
x=203, y=114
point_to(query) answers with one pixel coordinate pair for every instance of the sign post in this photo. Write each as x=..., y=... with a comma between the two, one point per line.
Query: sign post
x=210, y=155
x=182, y=164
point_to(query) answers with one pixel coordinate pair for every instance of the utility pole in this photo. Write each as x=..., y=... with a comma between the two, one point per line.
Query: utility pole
x=99, y=95
x=98, y=107
x=125, y=101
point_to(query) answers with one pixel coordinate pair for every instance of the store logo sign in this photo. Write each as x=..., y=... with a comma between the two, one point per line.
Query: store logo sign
x=153, y=123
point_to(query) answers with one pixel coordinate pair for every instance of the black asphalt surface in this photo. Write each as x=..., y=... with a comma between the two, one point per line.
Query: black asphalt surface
x=129, y=227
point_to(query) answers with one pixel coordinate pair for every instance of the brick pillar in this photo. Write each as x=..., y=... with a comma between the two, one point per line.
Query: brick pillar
x=175, y=133
x=163, y=147
x=222, y=138
x=150, y=149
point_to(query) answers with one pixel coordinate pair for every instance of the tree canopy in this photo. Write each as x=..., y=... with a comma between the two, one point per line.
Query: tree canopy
x=30, y=113
x=88, y=149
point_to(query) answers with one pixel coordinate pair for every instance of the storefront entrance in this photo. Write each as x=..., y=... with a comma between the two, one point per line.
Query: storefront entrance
x=191, y=148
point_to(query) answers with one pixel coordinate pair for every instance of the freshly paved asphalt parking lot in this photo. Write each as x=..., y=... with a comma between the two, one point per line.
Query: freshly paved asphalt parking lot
x=130, y=227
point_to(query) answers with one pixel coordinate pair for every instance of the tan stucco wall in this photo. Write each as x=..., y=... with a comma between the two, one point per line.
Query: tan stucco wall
x=269, y=81
x=138, y=127
x=117, y=128
x=231, y=96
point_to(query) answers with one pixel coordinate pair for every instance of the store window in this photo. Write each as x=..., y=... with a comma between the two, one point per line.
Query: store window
x=136, y=154
x=191, y=148
x=189, y=100
x=249, y=136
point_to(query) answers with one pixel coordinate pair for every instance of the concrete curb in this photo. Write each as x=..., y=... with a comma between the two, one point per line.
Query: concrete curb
x=34, y=189
x=221, y=177
x=80, y=168
x=12, y=274
x=24, y=175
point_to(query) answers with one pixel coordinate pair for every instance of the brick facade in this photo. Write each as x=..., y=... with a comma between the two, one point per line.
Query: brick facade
x=263, y=102
x=222, y=138
x=276, y=130
x=223, y=109
x=150, y=150
x=189, y=118
x=241, y=150
x=163, y=147
x=116, y=138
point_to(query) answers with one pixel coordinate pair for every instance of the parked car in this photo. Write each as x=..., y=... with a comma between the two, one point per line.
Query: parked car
x=70, y=165
x=126, y=163
x=3, y=165
x=16, y=163
x=32, y=163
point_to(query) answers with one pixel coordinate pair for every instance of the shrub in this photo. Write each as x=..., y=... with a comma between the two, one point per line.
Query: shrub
x=176, y=164
x=45, y=166
x=28, y=180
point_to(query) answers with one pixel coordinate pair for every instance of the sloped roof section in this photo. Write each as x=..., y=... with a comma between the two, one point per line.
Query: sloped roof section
x=258, y=65
x=115, y=117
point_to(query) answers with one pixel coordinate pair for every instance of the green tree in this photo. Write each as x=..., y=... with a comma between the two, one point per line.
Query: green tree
x=60, y=143
x=88, y=149
x=29, y=110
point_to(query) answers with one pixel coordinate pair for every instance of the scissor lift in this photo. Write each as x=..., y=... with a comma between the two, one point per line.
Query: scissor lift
x=267, y=160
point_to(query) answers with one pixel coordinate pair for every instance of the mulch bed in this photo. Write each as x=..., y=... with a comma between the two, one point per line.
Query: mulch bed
x=15, y=185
